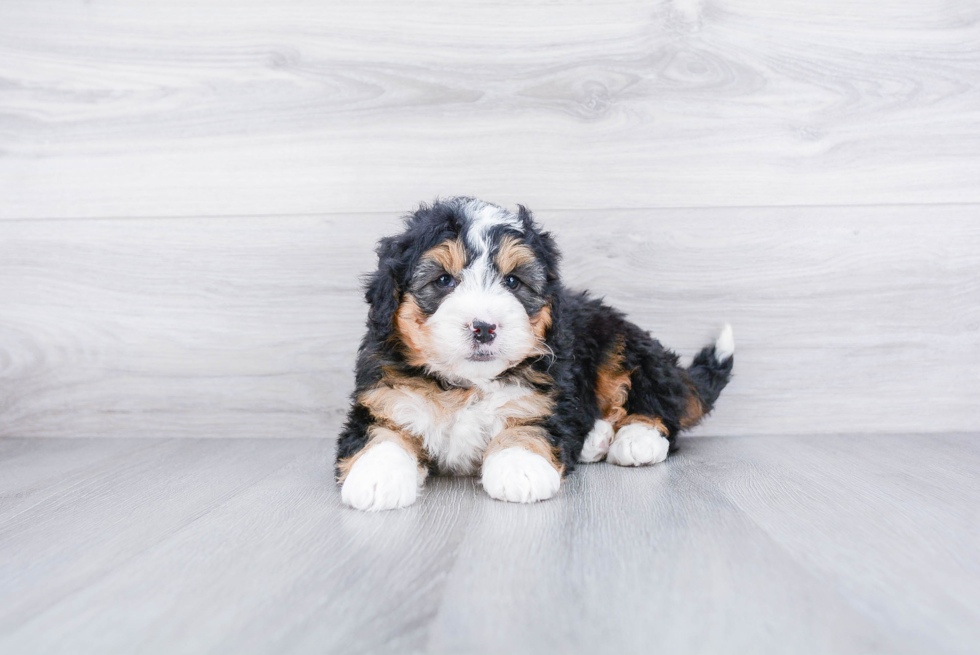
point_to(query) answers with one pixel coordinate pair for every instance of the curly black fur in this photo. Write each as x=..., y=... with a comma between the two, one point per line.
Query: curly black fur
x=583, y=333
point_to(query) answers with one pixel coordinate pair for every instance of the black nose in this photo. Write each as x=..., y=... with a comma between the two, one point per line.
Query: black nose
x=483, y=332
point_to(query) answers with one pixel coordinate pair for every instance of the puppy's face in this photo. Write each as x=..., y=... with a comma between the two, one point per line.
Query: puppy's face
x=477, y=302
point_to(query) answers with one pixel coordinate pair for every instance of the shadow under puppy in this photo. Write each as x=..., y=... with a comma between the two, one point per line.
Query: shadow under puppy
x=478, y=360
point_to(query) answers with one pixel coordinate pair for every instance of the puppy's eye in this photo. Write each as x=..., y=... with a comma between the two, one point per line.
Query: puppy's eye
x=445, y=281
x=511, y=282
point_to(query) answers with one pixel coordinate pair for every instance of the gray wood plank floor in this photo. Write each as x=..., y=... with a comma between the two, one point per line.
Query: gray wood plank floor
x=837, y=544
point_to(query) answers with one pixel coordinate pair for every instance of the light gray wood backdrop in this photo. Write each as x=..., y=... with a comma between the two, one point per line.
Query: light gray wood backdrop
x=190, y=190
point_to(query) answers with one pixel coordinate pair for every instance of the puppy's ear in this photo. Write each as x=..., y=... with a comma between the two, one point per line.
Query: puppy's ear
x=541, y=243
x=383, y=289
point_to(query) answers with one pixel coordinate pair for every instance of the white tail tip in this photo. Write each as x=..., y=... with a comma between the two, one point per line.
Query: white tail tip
x=725, y=346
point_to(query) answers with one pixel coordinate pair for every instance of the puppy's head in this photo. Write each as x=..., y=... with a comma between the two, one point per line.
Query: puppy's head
x=466, y=291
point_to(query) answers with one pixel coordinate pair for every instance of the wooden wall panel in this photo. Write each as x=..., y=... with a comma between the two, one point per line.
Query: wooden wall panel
x=846, y=318
x=179, y=108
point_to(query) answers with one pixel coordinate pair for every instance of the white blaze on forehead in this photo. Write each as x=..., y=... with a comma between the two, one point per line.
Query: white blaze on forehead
x=482, y=217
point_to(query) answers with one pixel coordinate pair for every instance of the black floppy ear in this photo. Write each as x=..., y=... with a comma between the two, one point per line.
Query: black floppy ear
x=541, y=243
x=383, y=290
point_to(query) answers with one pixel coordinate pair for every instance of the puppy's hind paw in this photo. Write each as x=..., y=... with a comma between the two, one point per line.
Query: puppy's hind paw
x=597, y=442
x=384, y=477
x=519, y=476
x=638, y=445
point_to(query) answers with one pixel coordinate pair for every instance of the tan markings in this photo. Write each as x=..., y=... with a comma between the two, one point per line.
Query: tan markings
x=394, y=388
x=537, y=377
x=383, y=399
x=541, y=322
x=531, y=407
x=528, y=437
x=410, y=322
x=451, y=255
x=612, y=386
x=378, y=434
x=516, y=415
x=412, y=330
x=694, y=411
x=529, y=377
x=512, y=254
x=649, y=421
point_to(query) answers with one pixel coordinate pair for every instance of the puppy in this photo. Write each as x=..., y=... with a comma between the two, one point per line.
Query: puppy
x=478, y=361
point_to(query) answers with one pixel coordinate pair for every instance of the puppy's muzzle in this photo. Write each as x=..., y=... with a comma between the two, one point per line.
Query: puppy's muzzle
x=484, y=332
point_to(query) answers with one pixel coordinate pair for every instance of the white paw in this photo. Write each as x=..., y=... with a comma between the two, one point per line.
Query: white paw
x=384, y=477
x=637, y=445
x=519, y=476
x=597, y=443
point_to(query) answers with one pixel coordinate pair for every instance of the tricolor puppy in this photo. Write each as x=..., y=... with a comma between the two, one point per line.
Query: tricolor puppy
x=478, y=361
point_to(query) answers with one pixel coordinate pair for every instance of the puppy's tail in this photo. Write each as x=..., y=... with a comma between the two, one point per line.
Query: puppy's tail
x=710, y=373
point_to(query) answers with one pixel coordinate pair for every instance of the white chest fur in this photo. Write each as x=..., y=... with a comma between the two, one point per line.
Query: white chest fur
x=455, y=427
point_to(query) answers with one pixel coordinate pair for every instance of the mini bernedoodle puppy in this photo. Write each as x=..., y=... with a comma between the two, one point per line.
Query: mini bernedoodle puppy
x=478, y=360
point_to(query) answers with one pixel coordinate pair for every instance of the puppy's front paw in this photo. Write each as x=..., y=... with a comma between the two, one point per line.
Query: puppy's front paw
x=519, y=476
x=384, y=477
x=638, y=445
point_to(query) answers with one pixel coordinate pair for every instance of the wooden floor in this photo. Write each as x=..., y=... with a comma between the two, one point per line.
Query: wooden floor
x=836, y=544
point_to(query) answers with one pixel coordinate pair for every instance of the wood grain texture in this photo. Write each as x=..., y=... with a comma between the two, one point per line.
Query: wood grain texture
x=846, y=319
x=802, y=495
x=33, y=474
x=109, y=109
x=183, y=327
x=87, y=526
x=843, y=544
